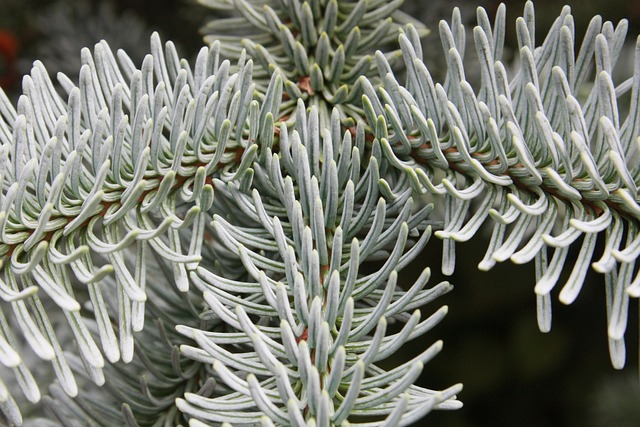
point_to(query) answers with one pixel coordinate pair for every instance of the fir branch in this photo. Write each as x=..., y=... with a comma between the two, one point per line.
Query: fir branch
x=259, y=192
x=545, y=149
x=85, y=179
x=313, y=359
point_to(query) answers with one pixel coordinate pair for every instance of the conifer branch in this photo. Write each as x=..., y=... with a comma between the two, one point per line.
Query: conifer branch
x=185, y=245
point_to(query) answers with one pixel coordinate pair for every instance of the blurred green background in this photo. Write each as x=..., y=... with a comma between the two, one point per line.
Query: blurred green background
x=513, y=375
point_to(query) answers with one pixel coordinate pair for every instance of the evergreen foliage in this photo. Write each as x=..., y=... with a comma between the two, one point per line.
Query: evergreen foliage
x=222, y=243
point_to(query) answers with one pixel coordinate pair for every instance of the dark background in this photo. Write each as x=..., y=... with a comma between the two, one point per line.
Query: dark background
x=513, y=375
